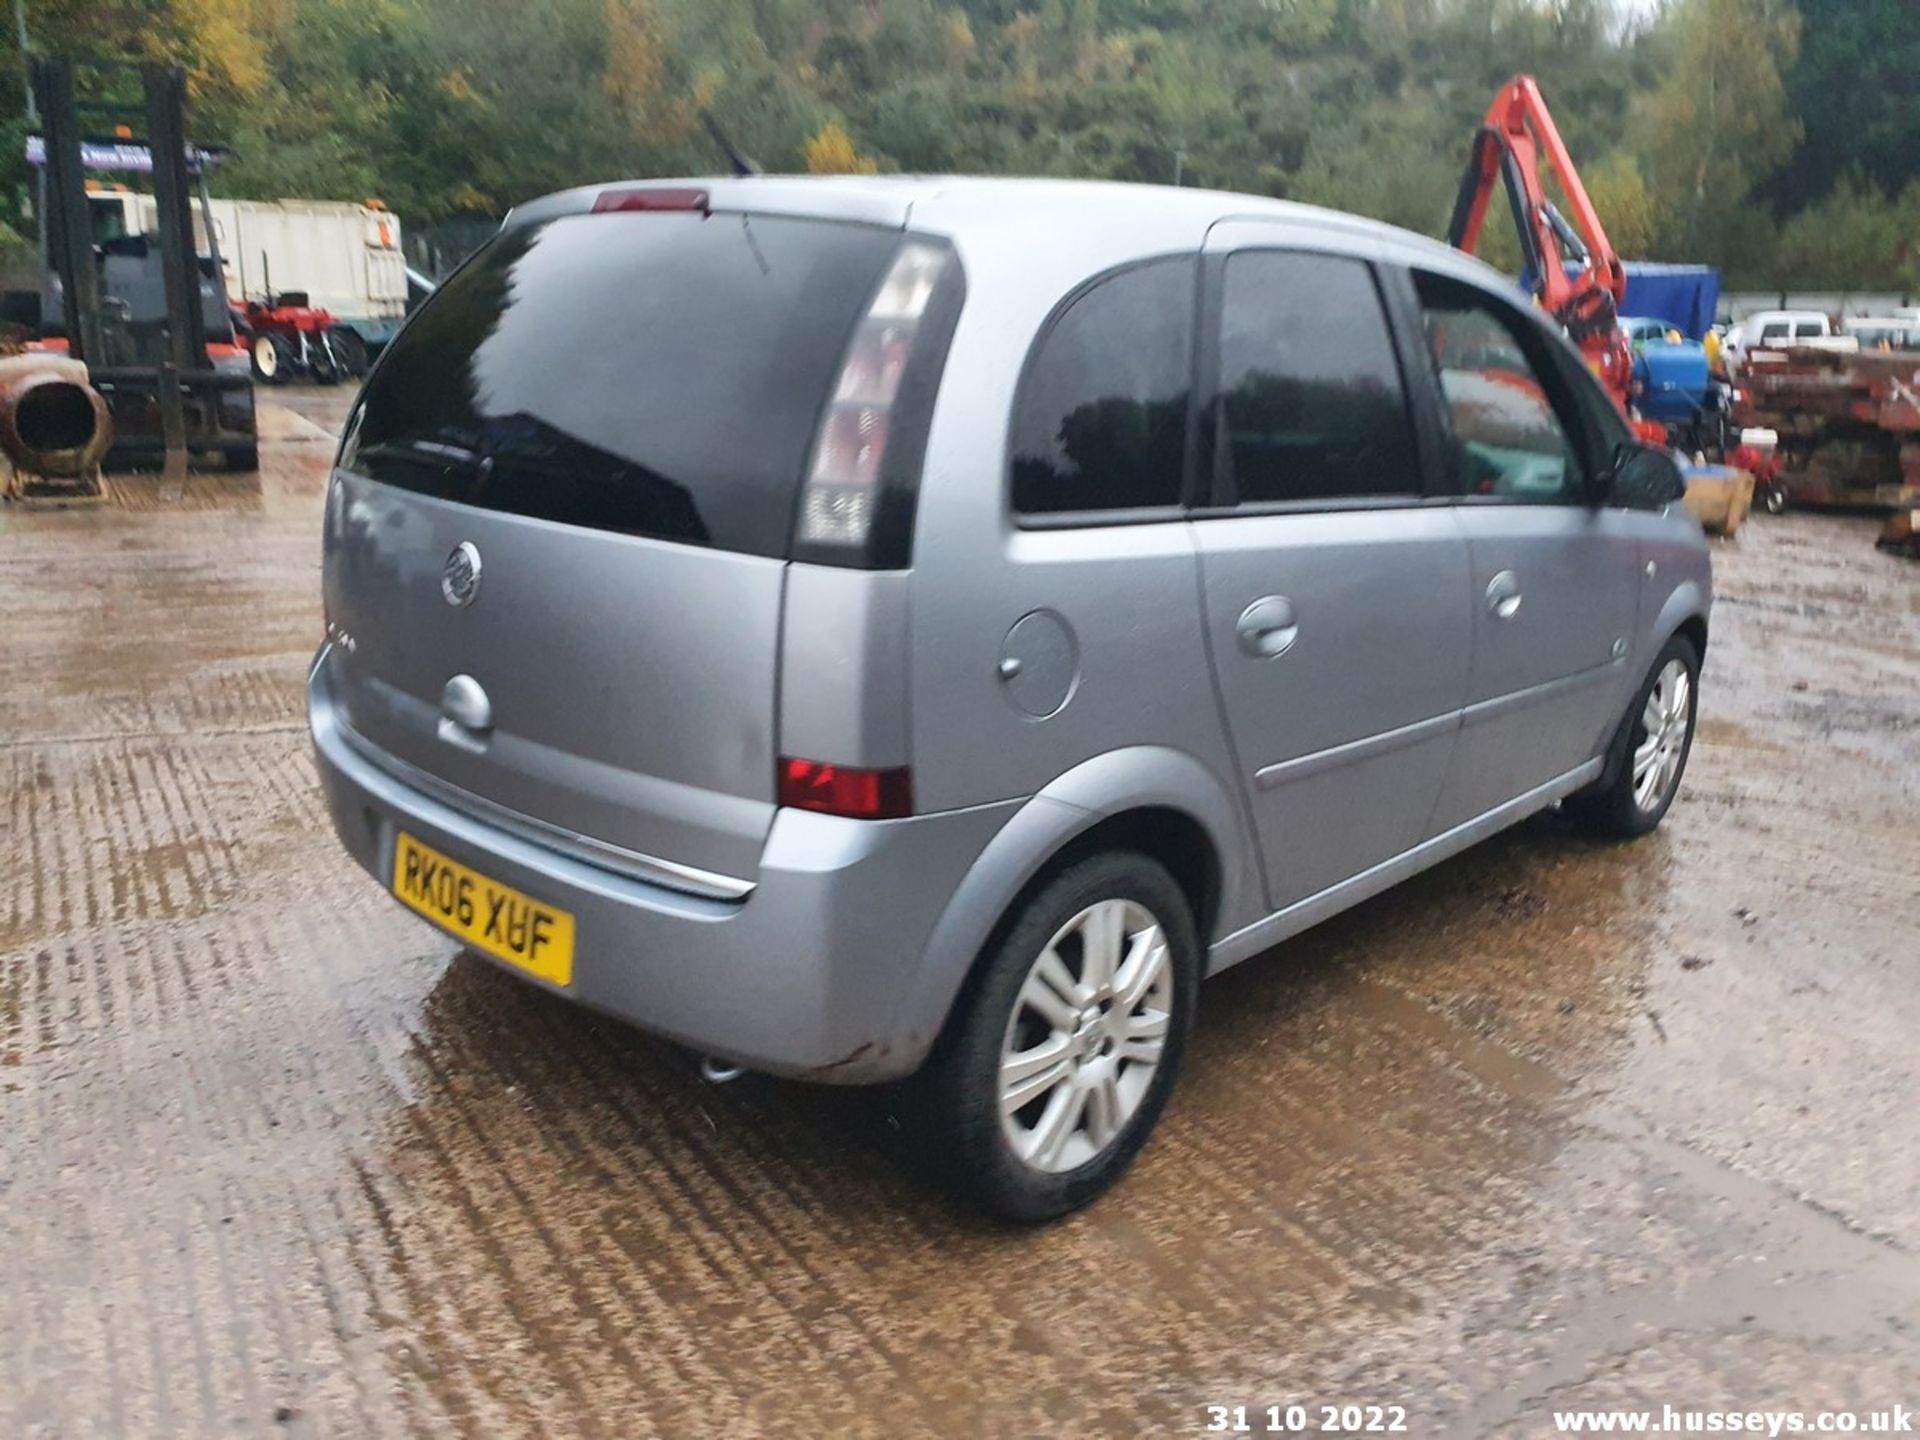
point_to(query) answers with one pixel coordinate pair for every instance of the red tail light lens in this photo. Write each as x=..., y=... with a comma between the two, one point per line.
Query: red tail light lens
x=841, y=503
x=610, y=202
x=843, y=790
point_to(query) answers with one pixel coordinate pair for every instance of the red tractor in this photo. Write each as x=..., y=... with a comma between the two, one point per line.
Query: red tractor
x=288, y=338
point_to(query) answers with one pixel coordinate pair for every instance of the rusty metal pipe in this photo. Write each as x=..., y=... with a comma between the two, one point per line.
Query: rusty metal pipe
x=53, y=424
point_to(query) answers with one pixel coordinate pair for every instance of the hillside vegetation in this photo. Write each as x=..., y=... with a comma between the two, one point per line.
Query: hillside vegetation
x=1781, y=142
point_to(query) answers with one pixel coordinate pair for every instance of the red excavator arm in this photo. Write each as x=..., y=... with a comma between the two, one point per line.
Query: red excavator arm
x=1518, y=133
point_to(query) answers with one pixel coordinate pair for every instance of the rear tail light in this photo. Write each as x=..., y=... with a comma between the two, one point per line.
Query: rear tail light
x=856, y=505
x=845, y=790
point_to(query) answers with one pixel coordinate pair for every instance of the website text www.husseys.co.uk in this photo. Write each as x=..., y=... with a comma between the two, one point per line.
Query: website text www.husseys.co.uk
x=1669, y=1421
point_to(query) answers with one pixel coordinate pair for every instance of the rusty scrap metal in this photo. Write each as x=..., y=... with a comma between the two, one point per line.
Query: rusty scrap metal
x=1849, y=424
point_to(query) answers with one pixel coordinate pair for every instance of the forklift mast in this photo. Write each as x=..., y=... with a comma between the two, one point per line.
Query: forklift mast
x=167, y=395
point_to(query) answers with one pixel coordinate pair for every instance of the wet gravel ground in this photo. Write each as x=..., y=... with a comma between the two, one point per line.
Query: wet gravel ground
x=1555, y=1125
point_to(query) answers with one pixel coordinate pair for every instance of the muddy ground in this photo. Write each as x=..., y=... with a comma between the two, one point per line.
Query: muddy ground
x=1554, y=1125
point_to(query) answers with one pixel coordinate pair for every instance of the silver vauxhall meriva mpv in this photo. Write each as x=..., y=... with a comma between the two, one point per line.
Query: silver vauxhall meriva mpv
x=871, y=627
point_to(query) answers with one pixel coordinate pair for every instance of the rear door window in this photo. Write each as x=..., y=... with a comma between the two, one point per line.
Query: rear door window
x=647, y=373
x=1101, y=420
x=1311, y=402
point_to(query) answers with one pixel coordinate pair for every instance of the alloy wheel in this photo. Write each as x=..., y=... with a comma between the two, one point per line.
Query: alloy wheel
x=1662, y=736
x=1086, y=1035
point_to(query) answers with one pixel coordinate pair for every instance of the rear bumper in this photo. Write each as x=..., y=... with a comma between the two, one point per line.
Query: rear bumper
x=811, y=975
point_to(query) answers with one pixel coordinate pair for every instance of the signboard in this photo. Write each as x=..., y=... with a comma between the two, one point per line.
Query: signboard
x=127, y=156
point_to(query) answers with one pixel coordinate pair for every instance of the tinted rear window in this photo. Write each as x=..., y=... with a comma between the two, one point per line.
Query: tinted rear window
x=652, y=374
x=1309, y=383
x=1101, y=423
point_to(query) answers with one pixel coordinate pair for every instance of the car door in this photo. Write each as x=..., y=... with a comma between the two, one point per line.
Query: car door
x=1555, y=576
x=1335, y=587
x=1054, y=609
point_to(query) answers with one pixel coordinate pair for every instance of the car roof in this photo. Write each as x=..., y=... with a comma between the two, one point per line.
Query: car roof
x=956, y=206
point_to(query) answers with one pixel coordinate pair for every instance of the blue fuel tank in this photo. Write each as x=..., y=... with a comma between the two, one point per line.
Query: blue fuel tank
x=1673, y=380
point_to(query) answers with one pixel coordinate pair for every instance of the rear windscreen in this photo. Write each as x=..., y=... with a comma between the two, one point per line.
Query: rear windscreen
x=652, y=374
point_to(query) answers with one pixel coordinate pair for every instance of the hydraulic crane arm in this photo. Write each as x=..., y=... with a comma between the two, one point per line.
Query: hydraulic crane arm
x=1517, y=135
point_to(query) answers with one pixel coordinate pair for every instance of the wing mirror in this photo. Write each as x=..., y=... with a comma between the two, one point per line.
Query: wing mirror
x=1644, y=477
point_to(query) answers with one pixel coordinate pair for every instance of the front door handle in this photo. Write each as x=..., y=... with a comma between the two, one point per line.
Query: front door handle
x=1503, y=595
x=1267, y=628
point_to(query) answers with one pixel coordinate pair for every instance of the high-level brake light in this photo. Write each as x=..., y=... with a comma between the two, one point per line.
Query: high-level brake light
x=654, y=198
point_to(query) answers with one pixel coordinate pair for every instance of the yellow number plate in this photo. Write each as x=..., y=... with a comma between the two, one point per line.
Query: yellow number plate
x=487, y=915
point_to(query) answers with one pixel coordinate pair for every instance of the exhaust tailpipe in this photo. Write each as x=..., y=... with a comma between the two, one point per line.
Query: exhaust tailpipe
x=53, y=423
x=719, y=1072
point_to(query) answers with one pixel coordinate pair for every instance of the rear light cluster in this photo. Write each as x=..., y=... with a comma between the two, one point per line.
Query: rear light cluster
x=856, y=507
x=844, y=790
x=859, y=460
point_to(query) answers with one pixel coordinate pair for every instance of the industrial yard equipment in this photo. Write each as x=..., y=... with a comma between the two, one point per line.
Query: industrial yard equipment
x=1848, y=424
x=286, y=337
x=54, y=426
x=1573, y=272
x=139, y=315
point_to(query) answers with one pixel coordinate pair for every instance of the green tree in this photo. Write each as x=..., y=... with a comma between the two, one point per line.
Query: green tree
x=1685, y=125
x=1625, y=205
x=1718, y=123
x=1856, y=88
x=1857, y=238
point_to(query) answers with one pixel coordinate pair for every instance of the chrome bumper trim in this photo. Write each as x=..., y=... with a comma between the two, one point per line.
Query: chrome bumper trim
x=629, y=864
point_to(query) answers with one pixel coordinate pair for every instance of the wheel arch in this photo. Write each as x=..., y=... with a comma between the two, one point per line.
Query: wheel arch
x=1684, y=615
x=1684, y=612
x=1694, y=630
x=1160, y=802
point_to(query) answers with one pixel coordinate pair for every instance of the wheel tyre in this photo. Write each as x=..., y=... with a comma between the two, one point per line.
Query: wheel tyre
x=349, y=350
x=1775, y=500
x=271, y=365
x=322, y=361
x=959, y=1091
x=1614, y=811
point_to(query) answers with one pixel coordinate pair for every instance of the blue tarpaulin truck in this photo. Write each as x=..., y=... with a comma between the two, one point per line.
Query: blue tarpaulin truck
x=1685, y=296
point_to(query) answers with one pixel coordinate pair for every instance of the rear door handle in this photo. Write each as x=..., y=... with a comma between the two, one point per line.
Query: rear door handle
x=1503, y=595
x=1267, y=628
